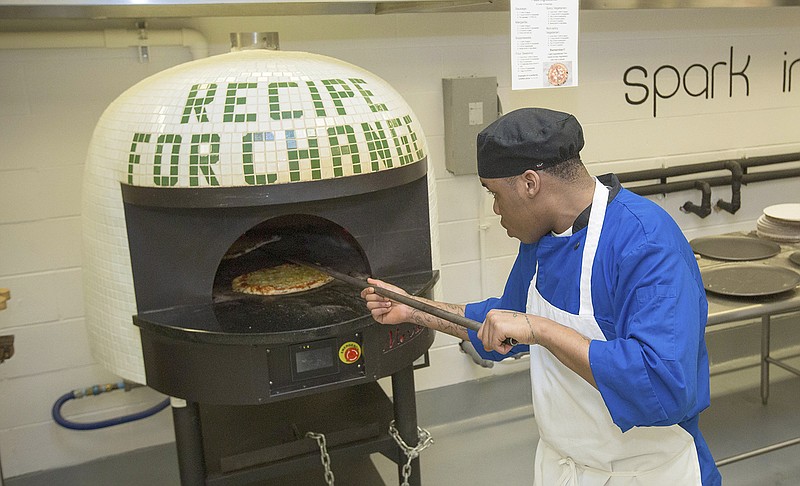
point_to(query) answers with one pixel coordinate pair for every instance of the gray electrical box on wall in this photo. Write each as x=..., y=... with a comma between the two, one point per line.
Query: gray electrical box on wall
x=470, y=104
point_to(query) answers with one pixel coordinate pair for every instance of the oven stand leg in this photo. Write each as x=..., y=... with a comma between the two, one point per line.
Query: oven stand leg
x=405, y=416
x=189, y=442
x=765, y=324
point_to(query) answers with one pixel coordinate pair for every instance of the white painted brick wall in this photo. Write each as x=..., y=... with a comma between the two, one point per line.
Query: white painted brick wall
x=50, y=101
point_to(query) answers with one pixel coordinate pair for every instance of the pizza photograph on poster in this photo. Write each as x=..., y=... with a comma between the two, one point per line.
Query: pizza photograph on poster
x=558, y=73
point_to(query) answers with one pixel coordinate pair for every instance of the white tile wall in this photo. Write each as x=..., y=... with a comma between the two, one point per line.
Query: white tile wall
x=65, y=298
x=40, y=246
x=13, y=101
x=57, y=183
x=50, y=101
x=459, y=198
x=67, y=347
x=460, y=239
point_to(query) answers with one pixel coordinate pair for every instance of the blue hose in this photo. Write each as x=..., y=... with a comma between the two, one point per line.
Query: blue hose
x=95, y=390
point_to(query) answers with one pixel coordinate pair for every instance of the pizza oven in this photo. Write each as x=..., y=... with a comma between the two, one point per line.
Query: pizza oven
x=236, y=163
x=186, y=251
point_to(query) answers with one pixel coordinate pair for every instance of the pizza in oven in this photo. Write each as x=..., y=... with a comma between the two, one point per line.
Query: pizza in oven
x=287, y=278
x=557, y=74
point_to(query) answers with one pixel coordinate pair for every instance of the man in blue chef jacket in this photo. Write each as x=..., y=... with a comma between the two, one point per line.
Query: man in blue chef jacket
x=606, y=296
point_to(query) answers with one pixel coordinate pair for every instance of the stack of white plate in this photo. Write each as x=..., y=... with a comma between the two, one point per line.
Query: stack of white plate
x=780, y=222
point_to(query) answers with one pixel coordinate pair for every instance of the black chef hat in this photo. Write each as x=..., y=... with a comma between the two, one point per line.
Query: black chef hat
x=528, y=138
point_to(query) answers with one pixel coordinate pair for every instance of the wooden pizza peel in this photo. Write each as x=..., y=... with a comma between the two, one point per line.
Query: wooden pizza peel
x=403, y=299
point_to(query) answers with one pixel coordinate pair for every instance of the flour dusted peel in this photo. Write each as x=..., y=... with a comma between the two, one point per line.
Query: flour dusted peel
x=287, y=278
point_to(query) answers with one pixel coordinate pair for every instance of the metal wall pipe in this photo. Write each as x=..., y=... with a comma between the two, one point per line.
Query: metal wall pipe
x=681, y=170
x=769, y=160
x=736, y=188
x=739, y=176
x=669, y=187
x=704, y=209
x=663, y=173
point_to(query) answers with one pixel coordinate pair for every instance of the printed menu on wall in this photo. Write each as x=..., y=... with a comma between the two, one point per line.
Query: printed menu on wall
x=544, y=43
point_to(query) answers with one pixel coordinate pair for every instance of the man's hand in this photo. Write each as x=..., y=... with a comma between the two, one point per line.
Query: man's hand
x=502, y=324
x=567, y=345
x=385, y=310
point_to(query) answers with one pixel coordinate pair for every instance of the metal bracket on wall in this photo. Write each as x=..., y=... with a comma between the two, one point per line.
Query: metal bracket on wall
x=144, y=48
x=6, y=342
x=6, y=347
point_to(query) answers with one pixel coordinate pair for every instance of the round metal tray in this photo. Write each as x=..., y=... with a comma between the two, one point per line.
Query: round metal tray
x=734, y=248
x=795, y=258
x=749, y=280
x=788, y=212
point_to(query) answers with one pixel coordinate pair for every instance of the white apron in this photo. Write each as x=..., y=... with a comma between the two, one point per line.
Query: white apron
x=579, y=444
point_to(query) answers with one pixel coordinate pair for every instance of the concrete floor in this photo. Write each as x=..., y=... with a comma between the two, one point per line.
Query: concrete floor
x=499, y=447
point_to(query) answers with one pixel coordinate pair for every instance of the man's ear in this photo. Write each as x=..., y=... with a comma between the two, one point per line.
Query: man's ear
x=533, y=182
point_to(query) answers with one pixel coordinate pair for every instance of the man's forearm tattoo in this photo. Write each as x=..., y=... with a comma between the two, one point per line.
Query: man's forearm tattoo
x=424, y=319
x=531, y=334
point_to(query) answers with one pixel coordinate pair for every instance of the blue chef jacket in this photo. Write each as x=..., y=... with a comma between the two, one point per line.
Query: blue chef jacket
x=650, y=304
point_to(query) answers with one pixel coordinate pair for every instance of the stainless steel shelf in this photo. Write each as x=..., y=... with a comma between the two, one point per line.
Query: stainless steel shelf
x=727, y=310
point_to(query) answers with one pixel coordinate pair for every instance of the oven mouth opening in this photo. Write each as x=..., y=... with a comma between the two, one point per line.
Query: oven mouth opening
x=235, y=318
x=298, y=237
x=278, y=240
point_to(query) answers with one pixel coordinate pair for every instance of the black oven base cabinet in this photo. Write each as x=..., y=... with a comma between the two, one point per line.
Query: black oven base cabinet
x=241, y=411
x=266, y=444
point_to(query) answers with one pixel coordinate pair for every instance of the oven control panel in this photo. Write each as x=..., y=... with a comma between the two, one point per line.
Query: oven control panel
x=313, y=364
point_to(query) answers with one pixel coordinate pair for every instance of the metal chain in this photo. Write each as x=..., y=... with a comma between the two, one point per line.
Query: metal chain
x=424, y=440
x=324, y=457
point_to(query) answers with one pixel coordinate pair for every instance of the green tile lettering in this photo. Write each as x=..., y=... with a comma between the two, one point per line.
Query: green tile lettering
x=342, y=140
x=203, y=153
x=338, y=94
x=275, y=111
x=377, y=145
x=296, y=155
x=367, y=95
x=133, y=157
x=248, y=159
x=199, y=96
x=232, y=99
x=319, y=109
x=172, y=144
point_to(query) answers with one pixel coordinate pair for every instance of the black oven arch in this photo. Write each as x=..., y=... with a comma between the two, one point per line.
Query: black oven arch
x=290, y=237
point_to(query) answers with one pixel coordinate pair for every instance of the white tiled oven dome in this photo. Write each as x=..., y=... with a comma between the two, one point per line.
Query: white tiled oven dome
x=246, y=118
